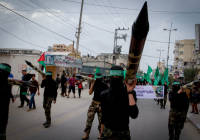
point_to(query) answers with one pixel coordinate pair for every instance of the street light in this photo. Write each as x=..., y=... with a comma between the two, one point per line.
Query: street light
x=170, y=30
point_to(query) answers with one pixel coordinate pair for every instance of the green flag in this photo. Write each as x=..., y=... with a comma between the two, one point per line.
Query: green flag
x=149, y=71
x=125, y=73
x=147, y=75
x=97, y=71
x=165, y=77
x=156, y=77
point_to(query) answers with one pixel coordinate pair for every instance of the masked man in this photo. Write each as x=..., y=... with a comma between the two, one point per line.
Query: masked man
x=50, y=94
x=118, y=104
x=5, y=96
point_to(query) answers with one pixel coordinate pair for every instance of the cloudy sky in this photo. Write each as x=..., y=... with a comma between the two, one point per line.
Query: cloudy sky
x=57, y=22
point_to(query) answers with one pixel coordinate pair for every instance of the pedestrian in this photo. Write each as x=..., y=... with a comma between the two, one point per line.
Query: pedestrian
x=195, y=99
x=164, y=100
x=58, y=80
x=97, y=87
x=179, y=104
x=33, y=91
x=24, y=89
x=63, y=84
x=50, y=95
x=80, y=87
x=72, y=82
x=118, y=103
x=6, y=94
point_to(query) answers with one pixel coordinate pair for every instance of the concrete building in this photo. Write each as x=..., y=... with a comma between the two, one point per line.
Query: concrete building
x=16, y=58
x=108, y=57
x=161, y=66
x=65, y=48
x=184, y=56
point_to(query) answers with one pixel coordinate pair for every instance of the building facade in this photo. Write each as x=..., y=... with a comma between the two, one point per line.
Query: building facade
x=64, y=48
x=184, y=56
x=16, y=58
x=121, y=59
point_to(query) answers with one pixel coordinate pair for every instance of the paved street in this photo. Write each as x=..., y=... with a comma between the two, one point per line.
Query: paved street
x=69, y=116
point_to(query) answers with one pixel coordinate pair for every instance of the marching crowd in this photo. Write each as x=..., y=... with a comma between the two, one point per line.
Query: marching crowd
x=114, y=101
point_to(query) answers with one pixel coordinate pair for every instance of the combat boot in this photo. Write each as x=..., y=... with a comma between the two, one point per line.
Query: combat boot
x=86, y=136
x=47, y=125
x=44, y=123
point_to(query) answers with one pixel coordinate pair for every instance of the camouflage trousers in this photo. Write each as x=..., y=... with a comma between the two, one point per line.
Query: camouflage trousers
x=94, y=108
x=176, y=123
x=108, y=134
x=47, y=108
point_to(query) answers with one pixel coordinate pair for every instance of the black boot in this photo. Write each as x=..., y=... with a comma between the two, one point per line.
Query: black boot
x=47, y=125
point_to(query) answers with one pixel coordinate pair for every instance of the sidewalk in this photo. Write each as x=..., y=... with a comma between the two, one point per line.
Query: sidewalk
x=194, y=118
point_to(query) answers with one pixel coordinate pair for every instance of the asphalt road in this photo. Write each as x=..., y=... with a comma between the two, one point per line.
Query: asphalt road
x=69, y=117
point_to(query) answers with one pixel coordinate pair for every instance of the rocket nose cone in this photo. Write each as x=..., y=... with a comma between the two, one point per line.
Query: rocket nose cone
x=143, y=15
x=140, y=27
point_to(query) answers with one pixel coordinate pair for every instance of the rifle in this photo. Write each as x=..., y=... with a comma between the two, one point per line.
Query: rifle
x=35, y=68
x=20, y=83
x=140, y=30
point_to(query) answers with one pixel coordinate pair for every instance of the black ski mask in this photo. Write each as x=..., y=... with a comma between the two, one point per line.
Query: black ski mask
x=116, y=81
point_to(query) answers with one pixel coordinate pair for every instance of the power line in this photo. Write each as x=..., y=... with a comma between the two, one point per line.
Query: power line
x=50, y=12
x=98, y=28
x=131, y=9
x=39, y=25
x=107, y=11
x=21, y=39
x=111, y=32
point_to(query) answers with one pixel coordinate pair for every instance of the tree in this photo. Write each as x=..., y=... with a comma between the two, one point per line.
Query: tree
x=190, y=74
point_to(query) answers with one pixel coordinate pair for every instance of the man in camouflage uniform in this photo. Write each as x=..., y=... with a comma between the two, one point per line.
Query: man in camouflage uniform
x=179, y=104
x=97, y=87
x=5, y=96
x=50, y=94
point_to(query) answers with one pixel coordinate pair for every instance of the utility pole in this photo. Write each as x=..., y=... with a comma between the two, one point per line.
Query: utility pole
x=160, y=50
x=117, y=48
x=79, y=27
x=170, y=30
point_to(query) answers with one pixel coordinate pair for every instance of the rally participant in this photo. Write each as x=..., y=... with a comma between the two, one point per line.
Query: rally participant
x=63, y=84
x=50, y=94
x=80, y=87
x=24, y=89
x=33, y=91
x=118, y=104
x=72, y=82
x=164, y=101
x=179, y=104
x=58, y=80
x=5, y=96
x=97, y=87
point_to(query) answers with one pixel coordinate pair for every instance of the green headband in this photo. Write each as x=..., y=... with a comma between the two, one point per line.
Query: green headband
x=176, y=83
x=48, y=73
x=5, y=68
x=116, y=73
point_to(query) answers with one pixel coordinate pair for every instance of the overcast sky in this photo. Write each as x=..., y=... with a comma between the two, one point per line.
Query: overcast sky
x=100, y=18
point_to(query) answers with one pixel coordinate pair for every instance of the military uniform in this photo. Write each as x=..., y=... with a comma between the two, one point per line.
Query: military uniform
x=95, y=107
x=179, y=104
x=5, y=96
x=109, y=134
x=50, y=94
